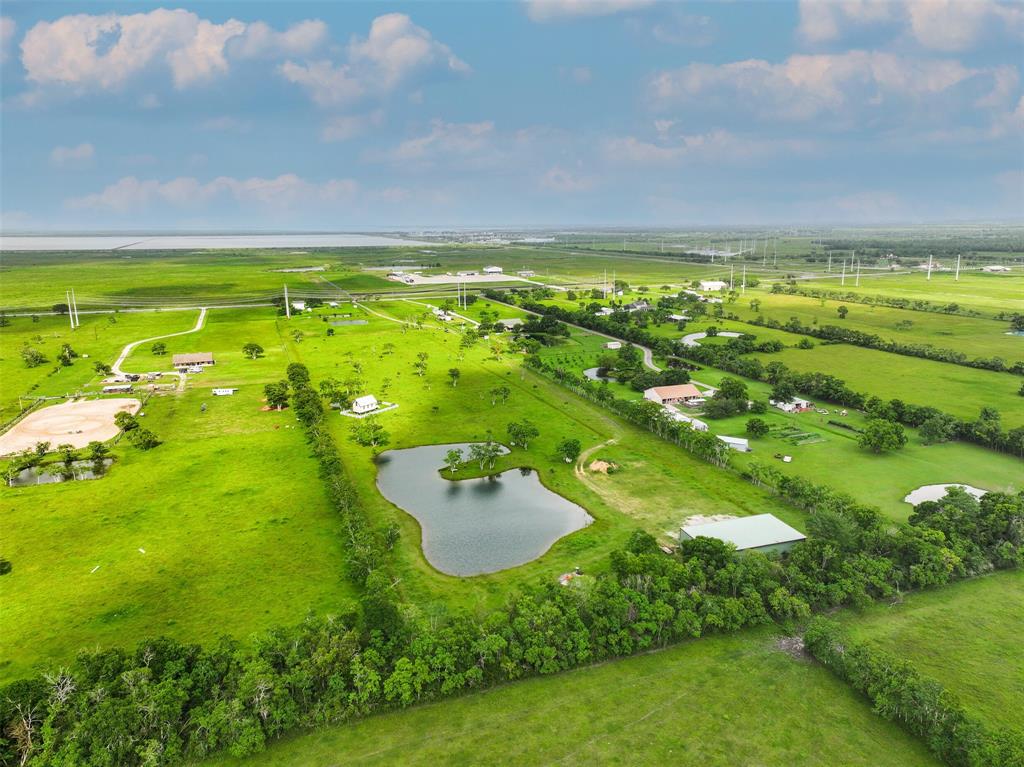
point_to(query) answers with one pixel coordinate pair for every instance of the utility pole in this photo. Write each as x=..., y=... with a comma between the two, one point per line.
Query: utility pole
x=844, y=273
x=287, y=304
x=732, y=270
x=74, y=302
x=830, y=260
x=957, y=278
x=71, y=316
x=743, y=289
x=929, y=266
x=857, y=283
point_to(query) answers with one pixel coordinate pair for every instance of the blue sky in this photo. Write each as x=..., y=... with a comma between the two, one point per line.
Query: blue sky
x=296, y=115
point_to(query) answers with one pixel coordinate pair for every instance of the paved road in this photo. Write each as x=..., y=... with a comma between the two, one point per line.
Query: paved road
x=691, y=339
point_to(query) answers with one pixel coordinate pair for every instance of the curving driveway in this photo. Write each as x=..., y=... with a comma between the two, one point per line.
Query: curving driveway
x=691, y=339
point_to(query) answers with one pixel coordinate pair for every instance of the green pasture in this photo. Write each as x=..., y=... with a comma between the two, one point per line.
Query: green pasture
x=237, y=538
x=967, y=636
x=100, y=336
x=986, y=293
x=724, y=700
x=972, y=336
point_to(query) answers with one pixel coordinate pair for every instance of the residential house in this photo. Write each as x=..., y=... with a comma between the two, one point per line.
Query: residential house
x=687, y=394
x=365, y=404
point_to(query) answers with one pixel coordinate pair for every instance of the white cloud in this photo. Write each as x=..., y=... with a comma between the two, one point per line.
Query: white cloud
x=396, y=49
x=451, y=141
x=261, y=41
x=945, y=25
x=559, y=179
x=345, y=127
x=108, y=51
x=845, y=85
x=7, y=29
x=132, y=194
x=150, y=101
x=326, y=84
x=81, y=156
x=550, y=10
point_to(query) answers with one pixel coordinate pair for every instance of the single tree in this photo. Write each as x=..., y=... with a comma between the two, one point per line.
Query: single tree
x=276, y=394
x=102, y=368
x=569, y=449
x=252, y=350
x=159, y=348
x=369, y=432
x=126, y=421
x=143, y=439
x=453, y=459
x=756, y=427
x=33, y=357
x=842, y=311
x=521, y=432
x=42, y=448
x=881, y=435
x=453, y=374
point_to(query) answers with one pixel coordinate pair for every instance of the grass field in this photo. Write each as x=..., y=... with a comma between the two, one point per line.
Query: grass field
x=101, y=337
x=236, y=538
x=720, y=701
x=966, y=635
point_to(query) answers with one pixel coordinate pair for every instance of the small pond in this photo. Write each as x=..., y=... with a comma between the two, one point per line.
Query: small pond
x=938, y=492
x=593, y=375
x=52, y=473
x=476, y=526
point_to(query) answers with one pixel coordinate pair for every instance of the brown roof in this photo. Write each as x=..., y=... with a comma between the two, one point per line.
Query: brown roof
x=678, y=391
x=196, y=358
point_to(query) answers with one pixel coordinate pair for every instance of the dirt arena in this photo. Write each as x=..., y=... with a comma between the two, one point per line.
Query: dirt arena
x=72, y=423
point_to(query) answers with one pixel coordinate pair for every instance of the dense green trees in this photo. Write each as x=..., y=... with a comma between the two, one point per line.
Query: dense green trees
x=276, y=394
x=569, y=449
x=880, y=436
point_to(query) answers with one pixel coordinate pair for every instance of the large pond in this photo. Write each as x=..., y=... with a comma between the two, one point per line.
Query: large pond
x=476, y=526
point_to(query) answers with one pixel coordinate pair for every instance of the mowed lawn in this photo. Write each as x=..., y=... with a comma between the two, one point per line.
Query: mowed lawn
x=100, y=336
x=727, y=700
x=967, y=636
x=236, y=535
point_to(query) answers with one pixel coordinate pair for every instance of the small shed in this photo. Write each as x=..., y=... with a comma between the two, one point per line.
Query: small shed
x=760, y=532
x=223, y=392
x=613, y=345
x=713, y=285
x=365, y=404
x=117, y=389
x=493, y=270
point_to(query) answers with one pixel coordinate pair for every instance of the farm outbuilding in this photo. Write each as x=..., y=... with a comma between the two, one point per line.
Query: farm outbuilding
x=192, y=360
x=117, y=389
x=223, y=392
x=741, y=444
x=760, y=532
x=365, y=404
x=613, y=345
x=795, y=405
x=493, y=270
x=713, y=285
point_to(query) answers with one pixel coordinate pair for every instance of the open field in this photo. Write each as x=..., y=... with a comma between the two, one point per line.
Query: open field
x=236, y=538
x=966, y=635
x=720, y=701
x=101, y=337
x=986, y=293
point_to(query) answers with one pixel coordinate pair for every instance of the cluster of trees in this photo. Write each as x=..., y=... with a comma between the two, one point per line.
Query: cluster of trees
x=920, y=705
x=167, y=702
x=836, y=334
x=627, y=366
x=134, y=432
x=730, y=399
x=31, y=356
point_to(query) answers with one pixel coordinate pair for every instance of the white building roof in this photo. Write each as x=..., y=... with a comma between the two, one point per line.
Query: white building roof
x=748, y=532
x=367, y=399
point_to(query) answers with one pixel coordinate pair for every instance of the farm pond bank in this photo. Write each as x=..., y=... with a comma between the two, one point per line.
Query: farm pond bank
x=476, y=526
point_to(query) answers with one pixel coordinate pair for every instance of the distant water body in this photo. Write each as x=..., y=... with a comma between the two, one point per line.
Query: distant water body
x=198, y=241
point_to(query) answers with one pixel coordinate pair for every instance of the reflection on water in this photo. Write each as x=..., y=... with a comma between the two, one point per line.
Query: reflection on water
x=48, y=475
x=476, y=526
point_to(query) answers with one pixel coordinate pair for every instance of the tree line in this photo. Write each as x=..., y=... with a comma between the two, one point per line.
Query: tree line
x=922, y=706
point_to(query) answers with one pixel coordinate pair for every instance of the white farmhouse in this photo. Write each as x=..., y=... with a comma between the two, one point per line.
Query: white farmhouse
x=713, y=285
x=365, y=404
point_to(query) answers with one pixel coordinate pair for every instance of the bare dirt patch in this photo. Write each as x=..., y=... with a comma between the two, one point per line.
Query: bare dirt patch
x=75, y=423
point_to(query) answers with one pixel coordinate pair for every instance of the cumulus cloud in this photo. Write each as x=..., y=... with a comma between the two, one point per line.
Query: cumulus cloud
x=453, y=142
x=945, y=25
x=551, y=10
x=846, y=85
x=80, y=156
x=685, y=29
x=346, y=127
x=131, y=194
x=396, y=52
x=7, y=29
x=107, y=51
